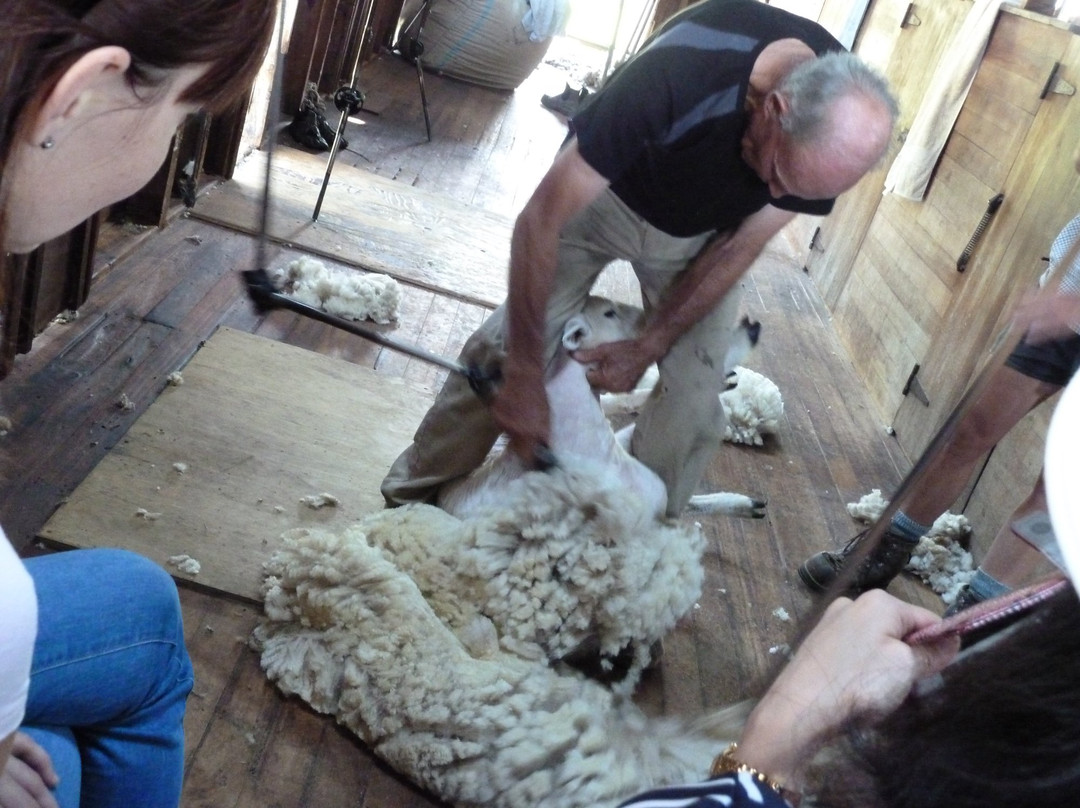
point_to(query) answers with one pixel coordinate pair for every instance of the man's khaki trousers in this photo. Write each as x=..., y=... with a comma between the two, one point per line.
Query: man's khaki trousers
x=681, y=425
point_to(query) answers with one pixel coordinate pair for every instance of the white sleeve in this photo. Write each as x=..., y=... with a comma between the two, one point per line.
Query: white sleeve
x=1059, y=250
x=18, y=628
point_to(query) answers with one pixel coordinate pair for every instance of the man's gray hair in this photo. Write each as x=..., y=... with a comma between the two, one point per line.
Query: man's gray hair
x=812, y=87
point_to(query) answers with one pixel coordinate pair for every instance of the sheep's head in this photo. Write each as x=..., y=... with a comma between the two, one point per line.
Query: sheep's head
x=601, y=321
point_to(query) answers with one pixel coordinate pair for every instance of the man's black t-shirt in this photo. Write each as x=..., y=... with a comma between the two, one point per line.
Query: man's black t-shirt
x=665, y=130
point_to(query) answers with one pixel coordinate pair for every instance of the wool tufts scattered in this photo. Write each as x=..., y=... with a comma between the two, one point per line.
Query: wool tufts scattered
x=753, y=407
x=939, y=559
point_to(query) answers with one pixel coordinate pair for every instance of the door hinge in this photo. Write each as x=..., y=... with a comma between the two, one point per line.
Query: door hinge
x=1056, y=84
x=912, y=386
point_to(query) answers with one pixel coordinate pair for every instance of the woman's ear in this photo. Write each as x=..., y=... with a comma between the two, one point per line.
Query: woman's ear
x=94, y=74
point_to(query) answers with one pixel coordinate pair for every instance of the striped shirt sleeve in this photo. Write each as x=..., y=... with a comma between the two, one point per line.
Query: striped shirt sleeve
x=738, y=790
x=1067, y=272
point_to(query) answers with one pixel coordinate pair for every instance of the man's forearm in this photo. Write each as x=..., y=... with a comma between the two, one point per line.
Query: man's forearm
x=709, y=278
x=696, y=293
x=533, y=254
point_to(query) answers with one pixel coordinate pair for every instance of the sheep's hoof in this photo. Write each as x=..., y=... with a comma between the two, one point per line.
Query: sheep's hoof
x=757, y=508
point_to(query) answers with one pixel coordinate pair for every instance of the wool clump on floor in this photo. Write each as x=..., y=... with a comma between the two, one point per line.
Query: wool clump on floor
x=753, y=407
x=351, y=294
x=434, y=639
x=186, y=563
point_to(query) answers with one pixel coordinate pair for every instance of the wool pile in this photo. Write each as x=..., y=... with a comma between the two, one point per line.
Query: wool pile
x=436, y=641
x=753, y=407
x=351, y=294
x=939, y=559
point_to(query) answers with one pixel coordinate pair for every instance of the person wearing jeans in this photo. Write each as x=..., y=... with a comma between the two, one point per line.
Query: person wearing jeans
x=109, y=678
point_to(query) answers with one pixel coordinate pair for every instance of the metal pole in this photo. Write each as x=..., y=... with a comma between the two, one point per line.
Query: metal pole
x=272, y=117
x=346, y=102
x=315, y=44
x=349, y=33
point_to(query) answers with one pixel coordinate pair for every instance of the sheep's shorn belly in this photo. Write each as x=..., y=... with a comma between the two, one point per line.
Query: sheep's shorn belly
x=581, y=440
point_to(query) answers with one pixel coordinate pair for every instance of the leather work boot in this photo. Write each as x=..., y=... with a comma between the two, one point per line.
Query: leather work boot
x=567, y=102
x=304, y=129
x=882, y=565
x=328, y=132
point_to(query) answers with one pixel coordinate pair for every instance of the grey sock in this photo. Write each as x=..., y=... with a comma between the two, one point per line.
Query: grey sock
x=905, y=527
x=987, y=586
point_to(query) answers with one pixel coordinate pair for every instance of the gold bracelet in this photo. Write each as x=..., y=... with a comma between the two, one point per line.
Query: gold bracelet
x=727, y=763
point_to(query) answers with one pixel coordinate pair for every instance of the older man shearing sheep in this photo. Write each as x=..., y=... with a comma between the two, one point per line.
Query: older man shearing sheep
x=731, y=119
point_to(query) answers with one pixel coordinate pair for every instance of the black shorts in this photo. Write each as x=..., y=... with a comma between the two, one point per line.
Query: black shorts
x=1054, y=361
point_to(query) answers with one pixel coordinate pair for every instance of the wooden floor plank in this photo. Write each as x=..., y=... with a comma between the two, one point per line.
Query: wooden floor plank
x=256, y=426
x=376, y=224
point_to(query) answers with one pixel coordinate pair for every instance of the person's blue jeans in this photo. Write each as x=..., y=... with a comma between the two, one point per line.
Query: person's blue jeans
x=110, y=679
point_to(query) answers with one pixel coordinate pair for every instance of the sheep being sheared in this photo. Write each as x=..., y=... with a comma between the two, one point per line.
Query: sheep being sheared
x=442, y=699
x=581, y=436
x=437, y=637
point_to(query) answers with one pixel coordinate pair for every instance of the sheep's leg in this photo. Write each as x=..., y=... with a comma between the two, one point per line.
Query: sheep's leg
x=727, y=503
x=723, y=502
x=623, y=403
x=631, y=402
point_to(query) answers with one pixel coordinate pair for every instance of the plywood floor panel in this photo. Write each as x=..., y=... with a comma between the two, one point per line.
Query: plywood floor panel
x=259, y=425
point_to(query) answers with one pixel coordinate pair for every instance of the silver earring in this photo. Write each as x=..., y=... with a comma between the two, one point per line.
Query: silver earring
x=48, y=143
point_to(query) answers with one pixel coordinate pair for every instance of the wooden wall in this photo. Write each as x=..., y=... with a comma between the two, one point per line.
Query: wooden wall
x=887, y=266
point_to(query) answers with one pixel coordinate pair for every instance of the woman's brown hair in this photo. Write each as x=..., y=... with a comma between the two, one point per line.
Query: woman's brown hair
x=41, y=39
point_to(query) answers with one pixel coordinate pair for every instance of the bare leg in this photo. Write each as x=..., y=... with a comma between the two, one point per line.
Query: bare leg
x=1008, y=397
x=1012, y=560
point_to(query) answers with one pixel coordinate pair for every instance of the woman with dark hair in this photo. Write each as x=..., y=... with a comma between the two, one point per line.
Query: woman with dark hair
x=93, y=671
x=1001, y=727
